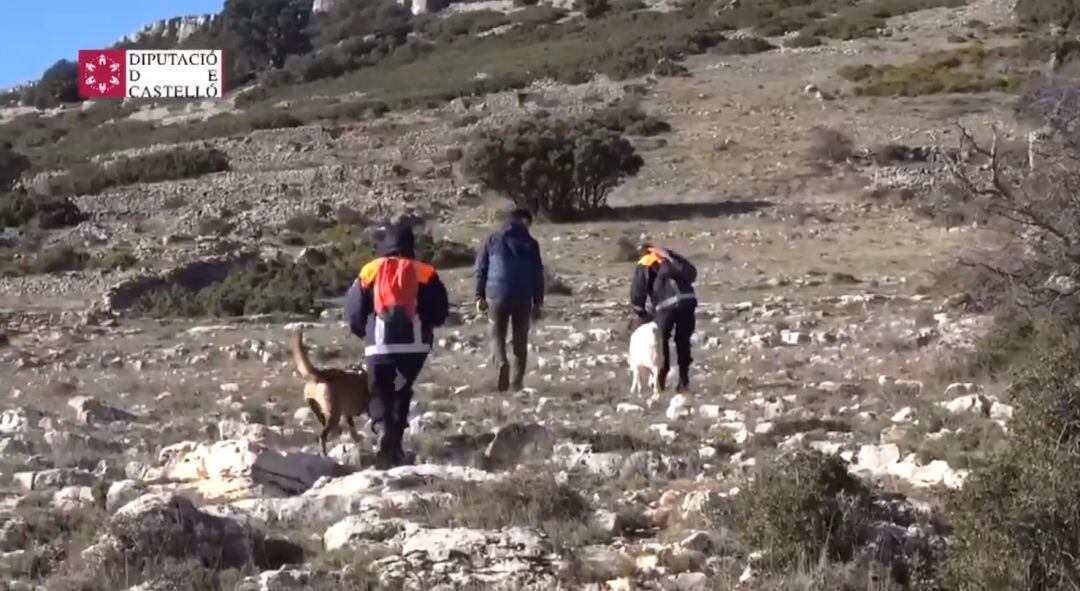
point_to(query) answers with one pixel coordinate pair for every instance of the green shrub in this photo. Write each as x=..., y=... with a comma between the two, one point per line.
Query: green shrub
x=540, y=14
x=536, y=501
x=20, y=209
x=116, y=259
x=562, y=170
x=629, y=118
x=58, y=260
x=273, y=119
x=743, y=46
x=168, y=165
x=1045, y=13
x=12, y=166
x=799, y=508
x=960, y=71
x=289, y=286
x=148, y=168
x=1016, y=519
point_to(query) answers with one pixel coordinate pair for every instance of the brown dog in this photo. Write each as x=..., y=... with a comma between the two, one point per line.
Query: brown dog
x=331, y=393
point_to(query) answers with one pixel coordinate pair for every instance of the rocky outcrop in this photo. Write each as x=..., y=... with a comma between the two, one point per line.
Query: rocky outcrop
x=511, y=558
x=177, y=28
x=237, y=469
x=320, y=6
x=158, y=525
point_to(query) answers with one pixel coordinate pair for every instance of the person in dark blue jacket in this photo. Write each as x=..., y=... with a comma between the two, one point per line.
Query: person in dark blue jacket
x=394, y=305
x=510, y=288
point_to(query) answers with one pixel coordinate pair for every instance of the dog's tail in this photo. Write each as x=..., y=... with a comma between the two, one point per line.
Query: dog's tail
x=303, y=363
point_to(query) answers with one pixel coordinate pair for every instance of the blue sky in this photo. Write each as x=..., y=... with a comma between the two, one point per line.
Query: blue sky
x=34, y=34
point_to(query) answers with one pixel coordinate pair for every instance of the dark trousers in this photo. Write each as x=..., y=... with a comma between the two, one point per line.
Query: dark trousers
x=678, y=322
x=390, y=381
x=507, y=315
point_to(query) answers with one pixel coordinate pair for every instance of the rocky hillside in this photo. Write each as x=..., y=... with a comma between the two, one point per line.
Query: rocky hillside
x=850, y=383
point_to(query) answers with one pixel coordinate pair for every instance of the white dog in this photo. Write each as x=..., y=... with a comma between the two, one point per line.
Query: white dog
x=645, y=356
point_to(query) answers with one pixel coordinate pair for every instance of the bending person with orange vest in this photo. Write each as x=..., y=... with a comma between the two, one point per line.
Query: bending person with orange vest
x=394, y=305
x=663, y=291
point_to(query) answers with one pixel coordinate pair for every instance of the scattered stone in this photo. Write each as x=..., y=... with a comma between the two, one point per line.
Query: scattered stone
x=91, y=411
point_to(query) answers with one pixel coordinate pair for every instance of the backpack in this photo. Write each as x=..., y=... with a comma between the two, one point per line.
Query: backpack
x=396, y=287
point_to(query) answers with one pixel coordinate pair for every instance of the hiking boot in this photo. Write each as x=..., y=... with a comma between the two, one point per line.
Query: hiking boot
x=684, y=380
x=504, y=378
x=517, y=384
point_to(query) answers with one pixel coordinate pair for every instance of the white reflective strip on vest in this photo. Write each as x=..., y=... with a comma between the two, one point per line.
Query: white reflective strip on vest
x=675, y=300
x=380, y=347
x=401, y=348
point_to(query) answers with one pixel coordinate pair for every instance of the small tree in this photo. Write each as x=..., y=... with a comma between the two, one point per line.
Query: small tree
x=1038, y=205
x=12, y=165
x=562, y=170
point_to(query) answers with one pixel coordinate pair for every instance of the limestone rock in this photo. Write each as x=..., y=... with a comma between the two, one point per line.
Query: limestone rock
x=91, y=411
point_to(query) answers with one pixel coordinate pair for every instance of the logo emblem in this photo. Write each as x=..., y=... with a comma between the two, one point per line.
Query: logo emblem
x=102, y=73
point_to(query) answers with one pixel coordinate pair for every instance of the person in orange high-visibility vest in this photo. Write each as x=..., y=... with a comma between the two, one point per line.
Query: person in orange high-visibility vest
x=394, y=305
x=663, y=290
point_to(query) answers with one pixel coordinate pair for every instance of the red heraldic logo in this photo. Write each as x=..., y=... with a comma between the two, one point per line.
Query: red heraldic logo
x=102, y=73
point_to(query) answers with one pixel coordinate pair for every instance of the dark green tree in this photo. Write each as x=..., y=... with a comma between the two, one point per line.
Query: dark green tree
x=562, y=170
x=265, y=32
x=59, y=84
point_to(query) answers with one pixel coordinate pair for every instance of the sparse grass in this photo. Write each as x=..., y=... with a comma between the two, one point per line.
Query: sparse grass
x=972, y=69
x=799, y=509
x=65, y=258
x=534, y=500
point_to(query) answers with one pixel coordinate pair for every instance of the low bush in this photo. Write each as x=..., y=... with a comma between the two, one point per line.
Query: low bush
x=743, y=46
x=22, y=210
x=540, y=14
x=287, y=286
x=628, y=117
x=829, y=146
x=1016, y=518
x=12, y=166
x=562, y=170
x=556, y=509
x=801, y=508
x=148, y=168
x=969, y=70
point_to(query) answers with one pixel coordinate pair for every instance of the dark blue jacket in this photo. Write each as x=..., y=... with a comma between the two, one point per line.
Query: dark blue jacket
x=397, y=334
x=509, y=266
x=664, y=280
